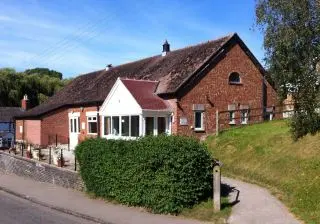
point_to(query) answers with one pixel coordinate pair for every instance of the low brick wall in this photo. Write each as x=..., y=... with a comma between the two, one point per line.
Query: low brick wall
x=40, y=171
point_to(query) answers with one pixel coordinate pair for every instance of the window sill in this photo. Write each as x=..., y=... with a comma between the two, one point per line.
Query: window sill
x=92, y=133
x=232, y=122
x=199, y=130
x=236, y=83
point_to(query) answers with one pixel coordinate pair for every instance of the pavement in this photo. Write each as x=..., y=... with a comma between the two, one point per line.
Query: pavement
x=15, y=210
x=256, y=205
x=80, y=205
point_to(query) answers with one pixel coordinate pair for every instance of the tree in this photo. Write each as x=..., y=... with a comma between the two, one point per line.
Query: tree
x=291, y=31
x=44, y=71
x=38, y=84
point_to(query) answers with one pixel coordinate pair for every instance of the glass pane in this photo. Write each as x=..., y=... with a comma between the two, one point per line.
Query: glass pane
x=115, y=126
x=161, y=125
x=135, y=126
x=75, y=125
x=125, y=125
x=198, y=122
x=149, y=125
x=71, y=126
x=93, y=127
x=107, y=125
x=78, y=127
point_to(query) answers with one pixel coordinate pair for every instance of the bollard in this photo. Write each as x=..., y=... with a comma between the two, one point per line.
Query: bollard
x=217, y=187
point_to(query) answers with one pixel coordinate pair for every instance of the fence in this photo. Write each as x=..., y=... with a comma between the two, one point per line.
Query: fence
x=56, y=151
x=242, y=116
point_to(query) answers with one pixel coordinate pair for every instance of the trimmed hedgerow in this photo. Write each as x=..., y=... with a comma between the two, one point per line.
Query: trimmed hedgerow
x=163, y=173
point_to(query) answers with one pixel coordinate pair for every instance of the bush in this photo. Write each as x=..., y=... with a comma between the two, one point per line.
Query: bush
x=163, y=173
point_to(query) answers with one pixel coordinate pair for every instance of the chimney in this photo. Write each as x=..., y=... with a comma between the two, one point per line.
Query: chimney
x=165, y=48
x=25, y=102
x=109, y=66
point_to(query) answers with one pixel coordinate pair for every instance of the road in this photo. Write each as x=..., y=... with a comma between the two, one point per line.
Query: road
x=14, y=210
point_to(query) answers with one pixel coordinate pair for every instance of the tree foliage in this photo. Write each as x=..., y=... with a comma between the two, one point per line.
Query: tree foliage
x=38, y=86
x=43, y=72
x=291, y=31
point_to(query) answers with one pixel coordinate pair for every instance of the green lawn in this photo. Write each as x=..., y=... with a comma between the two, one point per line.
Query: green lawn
x=204, y=212
x=266, y=155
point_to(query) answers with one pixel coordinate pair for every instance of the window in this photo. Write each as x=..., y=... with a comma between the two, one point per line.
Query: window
x=149, y=125
x=92, y=125
x=107, y=125
x=234, y=78
x=161, y=125
x=198, y=120
x=74, y=125
x=244, y=116
x=135, y=126
x=232, y=115
x=21, y=129
x=115, y=126
x=125, y=126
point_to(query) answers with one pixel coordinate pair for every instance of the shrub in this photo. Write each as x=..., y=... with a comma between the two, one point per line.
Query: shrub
x=163, y=173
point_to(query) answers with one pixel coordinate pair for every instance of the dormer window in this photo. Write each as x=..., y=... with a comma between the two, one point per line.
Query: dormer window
x=234, y=78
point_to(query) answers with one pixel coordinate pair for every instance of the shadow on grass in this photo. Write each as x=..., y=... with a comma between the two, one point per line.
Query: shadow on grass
x=226, y=190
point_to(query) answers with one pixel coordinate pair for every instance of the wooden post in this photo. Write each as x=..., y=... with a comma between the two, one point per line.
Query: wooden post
x=216, y=187
x=217, y=122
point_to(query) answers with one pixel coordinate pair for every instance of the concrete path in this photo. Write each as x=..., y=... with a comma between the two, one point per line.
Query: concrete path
x=256, y=205
x=78, y=204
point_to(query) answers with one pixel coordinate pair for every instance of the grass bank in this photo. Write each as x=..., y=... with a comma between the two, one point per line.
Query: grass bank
x=266, y=155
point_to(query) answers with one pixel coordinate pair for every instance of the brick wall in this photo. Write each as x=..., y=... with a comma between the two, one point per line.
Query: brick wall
x=215, y=92
x=40, y=171
x=19, y=135
x=55, y=123
x=32, y=131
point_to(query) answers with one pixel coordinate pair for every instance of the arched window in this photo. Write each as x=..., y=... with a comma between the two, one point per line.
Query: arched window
x=234, y=78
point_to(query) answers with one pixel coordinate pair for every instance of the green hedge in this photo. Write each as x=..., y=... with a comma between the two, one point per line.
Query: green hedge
x=163, y=173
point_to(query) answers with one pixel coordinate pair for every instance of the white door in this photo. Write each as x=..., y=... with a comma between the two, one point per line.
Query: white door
x=74, y=131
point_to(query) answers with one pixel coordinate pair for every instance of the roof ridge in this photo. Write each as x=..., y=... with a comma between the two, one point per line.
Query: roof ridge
x=158, y=55
x=138, y=80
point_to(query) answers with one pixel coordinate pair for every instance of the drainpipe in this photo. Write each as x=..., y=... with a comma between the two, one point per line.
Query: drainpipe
x=98, y=121
x=264, y=99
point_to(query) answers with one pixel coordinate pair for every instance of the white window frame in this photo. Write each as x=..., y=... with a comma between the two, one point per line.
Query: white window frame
x=232, y=117
x=244, y=119
x=112, y=136
x=202, y=120
x=92, y=121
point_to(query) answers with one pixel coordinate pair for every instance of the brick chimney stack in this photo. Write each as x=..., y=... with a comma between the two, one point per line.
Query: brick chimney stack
x=25, y=102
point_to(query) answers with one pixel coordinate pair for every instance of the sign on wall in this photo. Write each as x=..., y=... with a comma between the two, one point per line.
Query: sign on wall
x=183, y=121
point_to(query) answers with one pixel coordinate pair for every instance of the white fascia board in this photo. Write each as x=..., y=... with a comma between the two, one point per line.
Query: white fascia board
x=74, y=114
x=91, y=113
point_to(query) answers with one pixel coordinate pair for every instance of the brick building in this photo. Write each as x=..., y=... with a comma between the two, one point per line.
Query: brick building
x=177, y=92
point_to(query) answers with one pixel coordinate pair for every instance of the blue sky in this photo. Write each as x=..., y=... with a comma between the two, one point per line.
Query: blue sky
x=79, y=36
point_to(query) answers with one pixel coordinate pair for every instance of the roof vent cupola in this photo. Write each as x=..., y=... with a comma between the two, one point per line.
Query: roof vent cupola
x=108, y=67
x=165, y=48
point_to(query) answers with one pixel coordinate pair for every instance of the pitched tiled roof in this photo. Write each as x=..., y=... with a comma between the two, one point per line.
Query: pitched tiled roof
x=144, y=93
x=7, y=113
x=170, y=70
